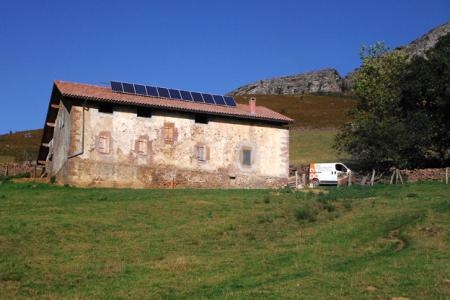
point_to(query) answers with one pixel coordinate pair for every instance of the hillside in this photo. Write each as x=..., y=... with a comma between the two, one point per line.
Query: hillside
x=308, y=111
x=20, y=146
x=354, y=243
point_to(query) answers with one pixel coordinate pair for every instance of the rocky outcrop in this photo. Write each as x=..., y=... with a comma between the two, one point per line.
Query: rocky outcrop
x=419, y=46
x=329, y=80
x=322, y=81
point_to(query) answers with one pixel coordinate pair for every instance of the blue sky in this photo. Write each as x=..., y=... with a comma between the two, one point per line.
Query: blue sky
x=208, y=46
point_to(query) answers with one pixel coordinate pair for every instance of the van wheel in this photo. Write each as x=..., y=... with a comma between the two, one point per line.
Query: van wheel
x=315, y=182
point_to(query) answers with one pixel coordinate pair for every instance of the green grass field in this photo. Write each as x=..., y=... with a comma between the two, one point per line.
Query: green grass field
x=346, y=243
x=313, y=145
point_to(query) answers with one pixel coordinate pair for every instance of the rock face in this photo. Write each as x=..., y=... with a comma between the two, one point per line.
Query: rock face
x=325, y=81
x=329, y=80
x=419, y=46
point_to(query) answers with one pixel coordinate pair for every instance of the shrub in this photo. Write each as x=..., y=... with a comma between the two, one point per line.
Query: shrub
x=347, y=203
x=305, y=214
x=328, y=206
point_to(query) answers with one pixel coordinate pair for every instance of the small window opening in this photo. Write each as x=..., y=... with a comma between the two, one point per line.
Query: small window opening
x=169, y=132
x=103, y=144
x=105, y=108
x=144, y=112
x=202, y=153
x=202, y=119
x=247, y=157
x=142, y=146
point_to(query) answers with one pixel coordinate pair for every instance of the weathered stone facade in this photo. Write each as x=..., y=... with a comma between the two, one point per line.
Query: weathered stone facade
x=121, y=146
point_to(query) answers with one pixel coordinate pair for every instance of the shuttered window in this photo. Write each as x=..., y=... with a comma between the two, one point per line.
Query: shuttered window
x=103, y=143
x=169, y=133
x=202, y=153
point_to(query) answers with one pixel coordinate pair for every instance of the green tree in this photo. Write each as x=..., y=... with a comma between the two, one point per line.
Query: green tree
x=376, y=136
x=426, y=96
x=403, y=117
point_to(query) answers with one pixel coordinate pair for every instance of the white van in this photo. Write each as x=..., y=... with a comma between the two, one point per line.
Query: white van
x=328, y=173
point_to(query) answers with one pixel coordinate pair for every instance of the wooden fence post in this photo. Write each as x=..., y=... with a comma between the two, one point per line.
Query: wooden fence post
x=372, y=179
x=399, y=176
x=446, y=175
x=350, y=179
x=296, y=179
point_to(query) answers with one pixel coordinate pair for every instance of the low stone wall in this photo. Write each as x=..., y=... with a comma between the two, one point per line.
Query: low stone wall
x=424, y=174
x=13, y=169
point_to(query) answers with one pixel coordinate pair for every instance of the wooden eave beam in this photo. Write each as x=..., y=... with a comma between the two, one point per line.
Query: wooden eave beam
x=45, y=145
x=53, y=105
x=50, y=124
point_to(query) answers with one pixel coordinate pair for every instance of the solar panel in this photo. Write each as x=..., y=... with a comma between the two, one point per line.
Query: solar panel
x=128, y=88
x=174, y=94
x=116, y=86
x=185, y=95
x=163, y=92
x=140, y=89
x=229, y=101
x=208, y=98
x=197, y=97
x=153, y=91
x=219, y=99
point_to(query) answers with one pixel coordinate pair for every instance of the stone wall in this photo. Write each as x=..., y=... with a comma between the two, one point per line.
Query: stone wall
x=424, y=174
x=123, y=150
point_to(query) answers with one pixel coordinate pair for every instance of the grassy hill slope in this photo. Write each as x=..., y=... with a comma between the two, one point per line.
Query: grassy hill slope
x=348, y=243
x=308, y=111
x=20, y=146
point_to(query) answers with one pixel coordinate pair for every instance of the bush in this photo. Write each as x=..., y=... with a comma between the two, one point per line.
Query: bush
x=5, y=179
x=347, y=203
x=305, y=214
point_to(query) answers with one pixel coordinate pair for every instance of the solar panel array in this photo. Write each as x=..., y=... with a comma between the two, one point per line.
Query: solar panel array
x=154, y=91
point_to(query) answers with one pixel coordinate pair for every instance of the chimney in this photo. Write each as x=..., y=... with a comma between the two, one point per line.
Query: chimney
x=252, y=104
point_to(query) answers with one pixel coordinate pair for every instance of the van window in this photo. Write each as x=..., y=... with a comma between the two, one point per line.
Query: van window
x=341, y=168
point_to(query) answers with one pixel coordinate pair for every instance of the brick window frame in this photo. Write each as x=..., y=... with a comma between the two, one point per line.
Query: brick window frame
x=202, y=153
x=103, y=142
x=170, y=133
x=142, y=146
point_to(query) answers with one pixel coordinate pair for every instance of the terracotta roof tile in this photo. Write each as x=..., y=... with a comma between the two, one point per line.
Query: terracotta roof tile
x=99, y=93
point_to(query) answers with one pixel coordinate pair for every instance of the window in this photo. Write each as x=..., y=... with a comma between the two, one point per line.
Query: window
x=202, y=152
x=169, y=133
x=103, y=143
x=142, y=146
x=144, y=112
x=341, y=168
x=247, y=157
x=105, y=108
x=202, y=119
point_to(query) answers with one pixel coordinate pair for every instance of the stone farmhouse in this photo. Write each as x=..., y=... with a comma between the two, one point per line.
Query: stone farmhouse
x=102, y=137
